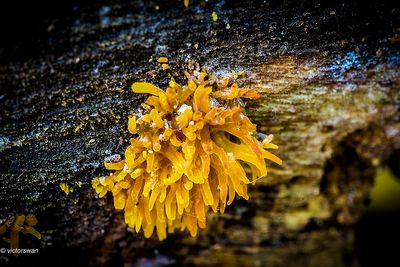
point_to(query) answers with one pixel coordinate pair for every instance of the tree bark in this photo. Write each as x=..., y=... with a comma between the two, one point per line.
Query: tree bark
x=329, y=78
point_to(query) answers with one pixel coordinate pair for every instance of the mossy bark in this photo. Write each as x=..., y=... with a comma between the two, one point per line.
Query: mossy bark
x=329, y=78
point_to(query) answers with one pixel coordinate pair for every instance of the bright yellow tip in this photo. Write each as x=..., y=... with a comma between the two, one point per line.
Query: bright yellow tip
x=146, y=88
x=132, y=124
x=162, y=60
x=186, y=3
x=214, y=16
x=165, y=66
x=64, y=187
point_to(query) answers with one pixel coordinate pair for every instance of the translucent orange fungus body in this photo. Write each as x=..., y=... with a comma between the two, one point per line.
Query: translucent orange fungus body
x=190, y=154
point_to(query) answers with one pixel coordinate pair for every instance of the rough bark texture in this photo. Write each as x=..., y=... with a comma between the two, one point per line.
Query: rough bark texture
x=329, y=76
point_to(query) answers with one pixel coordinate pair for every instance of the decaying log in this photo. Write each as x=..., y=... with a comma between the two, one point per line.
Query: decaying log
x=329, y=78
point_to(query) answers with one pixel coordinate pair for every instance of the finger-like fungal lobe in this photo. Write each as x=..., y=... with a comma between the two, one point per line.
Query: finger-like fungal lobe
x=194, y=149
x=186, y=3
x=66, y=188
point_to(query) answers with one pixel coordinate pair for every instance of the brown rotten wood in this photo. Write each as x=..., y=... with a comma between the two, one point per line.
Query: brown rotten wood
x=329, y=78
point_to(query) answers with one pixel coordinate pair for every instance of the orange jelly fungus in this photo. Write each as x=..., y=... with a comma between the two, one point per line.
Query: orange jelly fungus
x=19, y=224
x=190, y=154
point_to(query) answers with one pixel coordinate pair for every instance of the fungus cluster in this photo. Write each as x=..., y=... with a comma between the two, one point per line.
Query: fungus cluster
x=66, y=188
x=194, y=149
x=19, y=224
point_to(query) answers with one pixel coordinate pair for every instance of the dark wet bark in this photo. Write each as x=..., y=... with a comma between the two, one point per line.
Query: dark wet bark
x=329, y=75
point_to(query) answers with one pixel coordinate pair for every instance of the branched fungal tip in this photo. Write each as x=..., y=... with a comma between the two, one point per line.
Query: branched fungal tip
x=190, y=153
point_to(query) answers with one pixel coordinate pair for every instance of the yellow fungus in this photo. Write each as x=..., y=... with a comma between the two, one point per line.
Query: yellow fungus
x=189, y=155
x=132, y=124
x=162, y=60
x=147, y=88
x=186, y=3
x=165, y=66
x=109, y=166
x=65, y=187
x=31, y=220
x=19, y=224
x=214, y=16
